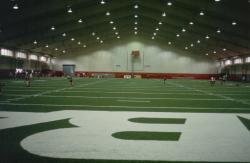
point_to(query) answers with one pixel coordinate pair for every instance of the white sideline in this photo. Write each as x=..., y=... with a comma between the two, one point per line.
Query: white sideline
x=124, y=107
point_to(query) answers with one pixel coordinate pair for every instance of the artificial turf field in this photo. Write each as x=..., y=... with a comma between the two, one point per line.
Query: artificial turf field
x=126, y=95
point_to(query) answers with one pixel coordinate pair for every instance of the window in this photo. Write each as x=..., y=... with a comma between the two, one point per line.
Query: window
x=43, y=59
x=228, y=62
x=33, y=57
x=248, y=60
x=6, y=52
x=238, y=61
x=21, y=55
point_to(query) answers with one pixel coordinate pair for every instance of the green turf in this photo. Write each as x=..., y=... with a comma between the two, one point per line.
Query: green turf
x=159, y=120
x=52, y=94
x=146, y=135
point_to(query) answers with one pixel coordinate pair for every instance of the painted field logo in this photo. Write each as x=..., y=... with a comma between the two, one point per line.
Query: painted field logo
x=148, y=135
x=208, y=137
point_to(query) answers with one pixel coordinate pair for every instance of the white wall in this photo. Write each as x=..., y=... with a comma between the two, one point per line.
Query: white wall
x=154, y=58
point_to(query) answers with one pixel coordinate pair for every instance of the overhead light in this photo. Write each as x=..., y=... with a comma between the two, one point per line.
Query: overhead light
x=153, y=38
x=160, y=23
x=136, y=6
x=69, y=10
x=52, y=28
x=186, y=48
x=118, y=37
x=163, y=14
x=72, y=39
x=169, y=43
x=154, y=34
x=101, y=41
x=157, y=29
x=191, y=23
x=224, y=49
x=35, y=42
x=116, y=33
x=64, y=34
x=64, y=51
x=98, y=38
x=218, y=31
x=206, y=54
x=169, y=3
x=93, y=33
x=136, y=16
x=79, y=43
x=56, y=49
x=234, y=23
x=16, y=7
x=111, y=22
x=136, y=23
x=114, y=28
x=177, y=35
x=135, y=28
x=183, y=30
x=198, y=41
x=217, y=0
x=207, y=37
x=102, y=2
x=135, y=32
x=84, y=46
x=80, y=21
x=192, y=45
x=214, y=52
x=202, y=13
x=47, y=46
x=107, y=13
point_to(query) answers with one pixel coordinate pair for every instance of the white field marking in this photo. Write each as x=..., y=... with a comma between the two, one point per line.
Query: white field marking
x=208, y=137
x=132, y=98
x=216, y=95
x=51, y=91
x=133, y=101
x=124, y=107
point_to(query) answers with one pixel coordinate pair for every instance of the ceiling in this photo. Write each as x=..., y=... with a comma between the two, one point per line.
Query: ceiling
x=220, y=29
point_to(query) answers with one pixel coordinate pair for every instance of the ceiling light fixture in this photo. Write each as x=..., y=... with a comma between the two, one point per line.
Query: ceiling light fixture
x=107, y=13
x=114, y=28
x=157, y=29
x=136, y=23
x=118, y=37
x=135, y=32
x=218, y=31
x=80, y=21
x=169, y=43
x=198, y=41
x=93, y=33
x=207, y=37
x=234, y=23
x=79, y=43
x=224, y=49
x=102, y=2
x=46, y=46
x=64, y=34
x=153, y=38
x=177, y=35
x=101, y=41
x=72, y=39
x=84, y=46
x=191, y=23
x=183, y=30
x=52, y=28
x=186, y=48
x=202, y=13
x=136, y=16
x=160, y=23
x=163, y=14
x=16, y=7
x=169, y=3
x=35, y=42
x=136, y=6
x=111, y=22
x=69, y=10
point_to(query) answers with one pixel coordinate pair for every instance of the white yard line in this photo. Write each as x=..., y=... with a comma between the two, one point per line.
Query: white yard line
x=133, y=101
x=122, y=97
